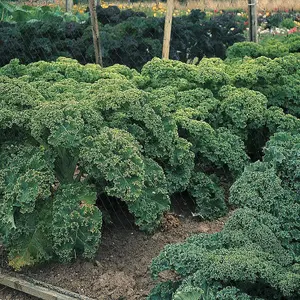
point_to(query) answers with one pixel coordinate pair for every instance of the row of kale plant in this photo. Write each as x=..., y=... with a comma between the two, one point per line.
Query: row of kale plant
x=71, y=133
x=257, y=254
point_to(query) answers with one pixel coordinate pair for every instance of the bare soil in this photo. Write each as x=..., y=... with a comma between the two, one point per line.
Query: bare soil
x=121, y=268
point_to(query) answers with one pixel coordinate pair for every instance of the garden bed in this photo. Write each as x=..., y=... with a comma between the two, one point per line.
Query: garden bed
x=82, y=146
x=120, y=270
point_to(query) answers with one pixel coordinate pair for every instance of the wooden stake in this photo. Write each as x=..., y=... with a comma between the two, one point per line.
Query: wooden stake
x=96, y=35
x=157, y=3
x=252, y=5
x=167, y=30
x=69, y=5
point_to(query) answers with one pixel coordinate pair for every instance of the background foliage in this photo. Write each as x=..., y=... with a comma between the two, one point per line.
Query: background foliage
x=127, y=37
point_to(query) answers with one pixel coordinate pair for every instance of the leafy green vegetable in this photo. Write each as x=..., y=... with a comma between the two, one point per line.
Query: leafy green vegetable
x=71, y=133
x=256, y=255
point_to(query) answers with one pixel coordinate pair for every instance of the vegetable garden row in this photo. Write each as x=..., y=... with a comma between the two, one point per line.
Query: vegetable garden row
x=127, y=37
x=227, y=133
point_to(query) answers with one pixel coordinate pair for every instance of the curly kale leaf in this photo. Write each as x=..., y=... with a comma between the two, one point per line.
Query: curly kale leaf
x=278, y=121
x=259, y=188
x=218, y=147
x=208, y=195
x=30, y=242
x=26, y=176
x=114, y=156
x=241, y=109
x=76, y=223
x=162, y=73
x=26, y=180
x=283, y=152
x=64, y=124
x=179, y=167
x=148, y=209
x=62, y=128
x=277, y=79
x=17, y=98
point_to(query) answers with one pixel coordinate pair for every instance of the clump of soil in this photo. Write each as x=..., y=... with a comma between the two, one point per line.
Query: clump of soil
x=121, y=268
